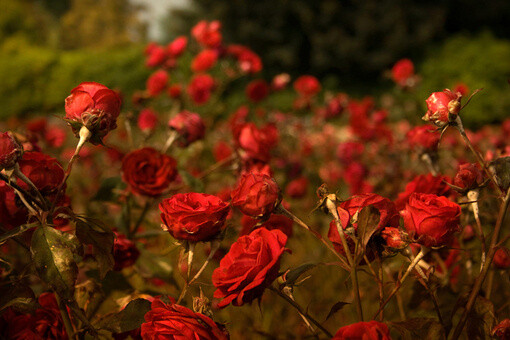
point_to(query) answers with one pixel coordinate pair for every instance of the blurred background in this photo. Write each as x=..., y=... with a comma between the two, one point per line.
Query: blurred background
x=49, y=46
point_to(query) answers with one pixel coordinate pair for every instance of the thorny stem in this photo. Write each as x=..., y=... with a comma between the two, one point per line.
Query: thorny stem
x=331, y=205
x=481, y=277
x=288, y=292
x=20, y=175
x=473, y=195
x=413, y=264
x=171, y=139
x=301, y=311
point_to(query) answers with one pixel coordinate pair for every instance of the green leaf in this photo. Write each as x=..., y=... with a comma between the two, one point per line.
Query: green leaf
x=53, y=256
x=106, y=192
x=335, y=308
x=419, y=328
x=18, y=296
x=97, y=234
x=368, y=219
x=131, y=317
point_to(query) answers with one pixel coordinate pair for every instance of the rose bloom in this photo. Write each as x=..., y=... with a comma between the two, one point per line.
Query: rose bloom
x=393, y=238
x=402, y=71
x=178, y=46
x=194, y=217
x=189, y=126
x=248, y=61
x=442, y=107
x=256, y=143
x=250, y=266
x=44, y=171
x=279, y=222
x=172, y=321
x=423, y=139
x=125, y=252
x=256, y=195
x=431, y=220
x=221, y=151
x=55, y=136
x=148, y=172
x=157, y=56
x=147, y=120
x=371, y=330
x=95, y=106
x=468, y=177
x=48, y=320
x=10, y=151
x=502, y=258
x=257, y=90
x=207, y=33
x=204, y=61
x=502, y=330
x=307, y=86
x=200, y=88
x=156, y=83
x=426, y=184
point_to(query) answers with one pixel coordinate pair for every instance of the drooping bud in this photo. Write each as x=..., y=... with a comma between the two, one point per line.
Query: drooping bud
x=10, y=151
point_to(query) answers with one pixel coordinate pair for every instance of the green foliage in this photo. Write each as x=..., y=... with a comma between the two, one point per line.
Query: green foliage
x=479, y=62
x=38, y=79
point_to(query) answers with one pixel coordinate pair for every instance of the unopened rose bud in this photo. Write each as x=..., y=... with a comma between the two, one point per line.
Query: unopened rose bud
x=442, y=107
x=394, y=237
x=502, y=258
x=10, y=151
x=468, y=177
x=189, y=126
x=256, y=195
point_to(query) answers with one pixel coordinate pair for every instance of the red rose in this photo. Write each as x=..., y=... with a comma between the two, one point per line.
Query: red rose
x=307, y=86
x=204, y=60
x=194, y=217
x=297, y=187
x=17, y=326
x=250, y=266
x=468, y=177
x=462, y=88
x=279, y=222
x=174, y=91
x=256, y=195
x=125, y=252
x=221, y=151
x=349, y=151
x=426, y=184
x=48, y=320
x=12, y=212
x=256, y=143
x=157, y=56
x=402, y=71
x=371, y=330
x=200, y=88
x=442, y=107
x=172, y=321
x=423, y=139
x=177, y=47
x=393, y=238
x=502, y=258
x=10, y=151
x=431, y=220
x=257, y=90
x=55, y=136
x=280, y=81
x=44, y=171
x=147, y=120
x=94, y=106
x=249, y=61
x=189, y=125
x=148, y=172
x=502, y=330
x=157, y=82
x=207, y=33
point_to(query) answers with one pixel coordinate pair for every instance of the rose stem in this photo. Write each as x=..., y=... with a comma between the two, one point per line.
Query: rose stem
x=400, y=303
x=138, y=223
x=301, y=311
x=70, y=330
x=20, y=175
x=481, y=161
x=171, y=139
x=481, y=277
x=215, y=245
x=288, y=292
x=85, y=135
x=20, y=189
x=428, y=160
x=472, y=196
x=216, y=166
x=377, y=279
x=354, y=275
x=413, y=264
x=281, y=210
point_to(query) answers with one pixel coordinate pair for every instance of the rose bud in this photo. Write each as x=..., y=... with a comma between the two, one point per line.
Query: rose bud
x=147, y=120
x=177, y=47
x=10, y=151
x=256, y=143
x=257, y=90
x=256, y=195
x=148, y=172
x=403, y=72
x=194, y=217
x=174, y=91
x=502, y=258
x=371, y=330
x=125, y=252
x=307, y=86
x=442, y=107
x=502, y=330
x=156, y=83
x=207, y=33
x=394, y=238
x=172, y=321
x=431, y=220
x=157, y=56
x=468, y=177
x=204, y=61
x=189, y=126
x=250, y=266
x=280, y=82
x=423, y=139
x=95, y=107
x=200, y=88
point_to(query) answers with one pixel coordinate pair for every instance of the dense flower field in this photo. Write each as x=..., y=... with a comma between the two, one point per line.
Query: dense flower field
x=203, y=207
